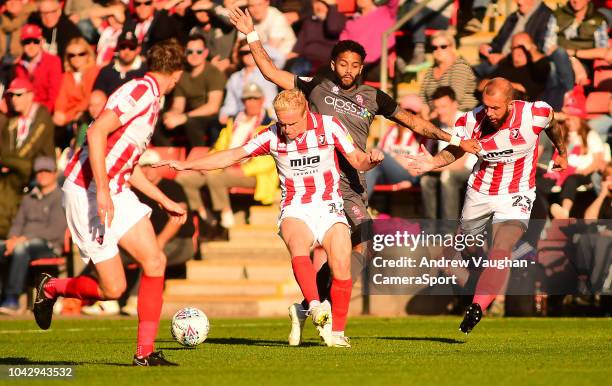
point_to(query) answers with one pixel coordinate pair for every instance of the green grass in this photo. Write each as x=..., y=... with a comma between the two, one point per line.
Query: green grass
x=415, y=351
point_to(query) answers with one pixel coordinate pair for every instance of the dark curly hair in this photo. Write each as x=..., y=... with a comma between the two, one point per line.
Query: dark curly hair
x=166, y=57
x=348, y=45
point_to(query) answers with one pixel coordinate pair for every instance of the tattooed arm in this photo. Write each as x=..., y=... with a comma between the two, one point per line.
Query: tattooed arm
x=425, y=162
x=429, y=130
x=555, y=133
x=244, y=23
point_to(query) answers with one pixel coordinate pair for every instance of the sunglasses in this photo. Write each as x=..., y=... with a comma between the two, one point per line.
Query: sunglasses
x=79, y=54
x=15, y=94
x=191, y=52
x=126, y=47
x=201, y=10
x=143, y=3
x=25, y=42
x=440, y=47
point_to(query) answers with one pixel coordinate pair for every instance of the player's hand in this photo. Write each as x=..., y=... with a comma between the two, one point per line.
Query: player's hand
x=420, y=163
x=376, y=156
x=560, y=163
x=174, y=164
x=177, y=212
x=106, y=209
x=242, y=20
x=470, y=146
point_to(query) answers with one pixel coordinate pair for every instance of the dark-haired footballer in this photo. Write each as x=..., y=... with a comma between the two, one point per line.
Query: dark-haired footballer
x=355, y=105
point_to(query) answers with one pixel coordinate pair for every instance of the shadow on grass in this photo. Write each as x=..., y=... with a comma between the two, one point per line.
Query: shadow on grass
x=26, y=361
x=238, y=341
x=423, y=338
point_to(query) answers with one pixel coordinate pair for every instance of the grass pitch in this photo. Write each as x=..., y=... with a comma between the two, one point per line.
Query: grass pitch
x=402, y=351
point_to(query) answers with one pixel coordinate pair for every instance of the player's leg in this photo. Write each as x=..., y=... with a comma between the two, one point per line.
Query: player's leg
x=337, y=244
x=141, y=243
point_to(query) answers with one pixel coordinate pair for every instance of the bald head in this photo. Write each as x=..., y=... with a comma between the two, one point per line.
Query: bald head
x=499, y=87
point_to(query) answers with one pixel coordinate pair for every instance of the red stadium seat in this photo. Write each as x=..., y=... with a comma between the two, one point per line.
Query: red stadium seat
x=197, y=152
x=598, y=103
x=347, y=7
x=395, y=188
x=602, y=76
x=169, y=153
x=242, y=191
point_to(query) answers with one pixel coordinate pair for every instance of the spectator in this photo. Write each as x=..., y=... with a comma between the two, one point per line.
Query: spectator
x=397, y=142
x=271, y=26
x=127, y=66
x=15, y=14
x=258, y=173
x=37, y=231
x=453, y=178
x=197, y=97
x=220, y=36
x=86, y=14
x=151, y=26
x=435, y=15
x=43, y=69
x=109, y=26
x=526, y=68
x=581, y=28
x=586, y=154
x=367, y=29
x=532, y=17
x=77, y=83
x=449, y=69
x=603, y=124
x=57, y=29
x=318, y=35
x=249, y=73
x=25, y=135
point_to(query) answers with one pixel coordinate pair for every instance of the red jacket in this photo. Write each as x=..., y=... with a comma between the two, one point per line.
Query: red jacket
x=46, y=78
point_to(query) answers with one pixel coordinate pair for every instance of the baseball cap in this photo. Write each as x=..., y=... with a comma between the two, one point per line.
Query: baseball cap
x=31, y=31
x=252, y=90
x=574, y=103
x=149, y=157
x=20, y=85
x=44, y=163
x=127, y=38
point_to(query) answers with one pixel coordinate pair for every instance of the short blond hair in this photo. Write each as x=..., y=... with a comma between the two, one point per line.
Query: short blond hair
x=446, y=35
x=290, y=100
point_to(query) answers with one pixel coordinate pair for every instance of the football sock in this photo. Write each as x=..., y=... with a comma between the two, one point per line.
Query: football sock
x=340, y=299
x=491, y=280
x=150, y=300
x=81, y=287
x=306, y=277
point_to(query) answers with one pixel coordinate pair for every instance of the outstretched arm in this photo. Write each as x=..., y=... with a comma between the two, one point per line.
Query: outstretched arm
x=554, y=132
x=212, y=161
x=244, y=23
x=429, y=130
x=365, y=161
x=425, y=162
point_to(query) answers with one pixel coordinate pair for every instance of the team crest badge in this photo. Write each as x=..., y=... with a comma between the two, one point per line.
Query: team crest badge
x=100, y=239
x=335, y=89
x=359, y=99
x=322, y=139
x=514, y=133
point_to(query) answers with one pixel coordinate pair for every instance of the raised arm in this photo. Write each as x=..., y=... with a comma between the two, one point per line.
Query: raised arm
x=429, y=130
x=212, y=161
x=425, y=162
x=244, y=23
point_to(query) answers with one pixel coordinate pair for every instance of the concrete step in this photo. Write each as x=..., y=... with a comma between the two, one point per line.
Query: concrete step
x=250, y=233
x=240, y=269
x=224, y=250
x=264, y=215
x=232, y=288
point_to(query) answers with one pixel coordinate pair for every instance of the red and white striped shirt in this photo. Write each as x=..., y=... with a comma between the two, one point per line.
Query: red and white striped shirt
x=307, y=166
x=136, y=104
x=508, y=159
x=400, y=145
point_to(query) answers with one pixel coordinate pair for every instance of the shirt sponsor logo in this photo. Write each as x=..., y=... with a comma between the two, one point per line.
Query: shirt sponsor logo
x=346, y=107
x=502, y=153
x=312, y=161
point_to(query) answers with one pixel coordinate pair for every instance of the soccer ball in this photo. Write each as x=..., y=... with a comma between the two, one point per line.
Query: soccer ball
x=190, y=326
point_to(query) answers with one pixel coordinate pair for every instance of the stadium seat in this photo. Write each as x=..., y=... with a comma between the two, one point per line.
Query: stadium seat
x=347, y=7
x=396, y=188
x=197, y=152
x=598, y=103
x=602, y=79
x=169, y=153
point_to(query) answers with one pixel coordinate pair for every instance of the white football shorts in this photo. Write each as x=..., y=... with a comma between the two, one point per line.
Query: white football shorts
x=319, y=217
x=95, y=241
x=479, y=208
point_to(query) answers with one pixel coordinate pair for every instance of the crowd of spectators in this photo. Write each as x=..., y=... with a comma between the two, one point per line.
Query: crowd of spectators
x=61, y=60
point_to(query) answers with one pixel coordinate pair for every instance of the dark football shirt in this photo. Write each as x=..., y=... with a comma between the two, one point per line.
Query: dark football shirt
x=355, y=109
